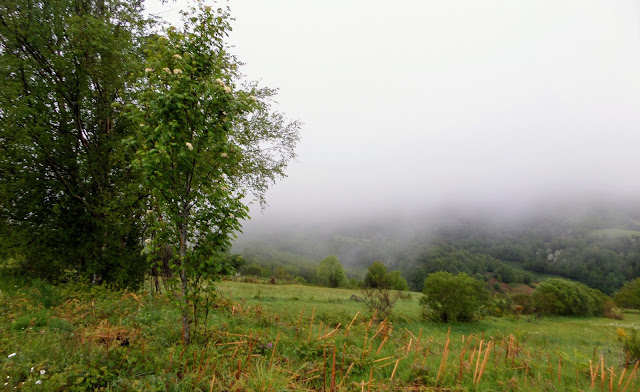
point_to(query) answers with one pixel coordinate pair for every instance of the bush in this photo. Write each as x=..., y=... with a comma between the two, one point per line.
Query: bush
x=379, y=284
x=522, y=303
x=629, y=295
x=563, y=297
x=630, y=343
x=379, y=277
x=448, y=298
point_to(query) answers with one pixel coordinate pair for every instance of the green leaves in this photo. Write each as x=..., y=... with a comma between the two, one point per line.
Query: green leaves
x=199, y=149
x=70, y=201
x=452, y=298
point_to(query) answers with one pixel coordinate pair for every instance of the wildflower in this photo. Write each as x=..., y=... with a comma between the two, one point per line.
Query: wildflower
x=147, y=70
x=147, y=241
x=167, y=70
x=231, y=216
x=11, y=355
x=149, y=212
x=38, y=382
x=224, y=155
x=189, y=146
x=42, y=372
x=227, y=89
x=177, y=57
x=251, y=97
x=220, y=82
x=177, y=71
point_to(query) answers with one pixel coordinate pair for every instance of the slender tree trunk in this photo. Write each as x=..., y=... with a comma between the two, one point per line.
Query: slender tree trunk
x=186, y=332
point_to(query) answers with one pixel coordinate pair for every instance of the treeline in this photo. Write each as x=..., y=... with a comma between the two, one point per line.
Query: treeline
x=604, y=259
x=599, y=247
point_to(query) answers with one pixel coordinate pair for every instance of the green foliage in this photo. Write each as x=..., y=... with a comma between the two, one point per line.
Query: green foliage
x=630, y=343
x=203, y=146
x=564, y=297
x=629, y=295
x=379, y=277
x=69, y=203
x=330, y=273
x=451, y=298
x=524, y=302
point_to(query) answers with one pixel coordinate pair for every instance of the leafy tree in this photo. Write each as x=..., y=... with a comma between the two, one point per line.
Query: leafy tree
x=564, y=297
x=378, y=286
x=331, y=273
x=379, y=277
x=69, y=203
x=203, y=145
x=451, y=298
x=376, y=275
x=629, y=295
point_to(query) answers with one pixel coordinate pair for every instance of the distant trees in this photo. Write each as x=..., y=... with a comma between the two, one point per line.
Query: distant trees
x=379, y=277
x=452, y=298
x=330, y=273
x=557, y=296
x=381, y=289
x=629, y=295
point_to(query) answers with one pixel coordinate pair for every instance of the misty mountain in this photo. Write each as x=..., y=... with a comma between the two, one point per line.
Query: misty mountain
x=595, y=242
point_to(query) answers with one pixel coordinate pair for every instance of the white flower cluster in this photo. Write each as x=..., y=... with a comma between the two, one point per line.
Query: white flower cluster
x=220, y=83
x=177, y=57
x=147, y=70
x=189, y=146
x=177, y=71
x=251, y=97
x=167, y=70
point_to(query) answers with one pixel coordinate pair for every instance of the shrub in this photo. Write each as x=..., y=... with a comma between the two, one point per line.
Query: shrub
x=448, y=298
x=379, y=286
x=629, y=295
x=563, y=297
x=630, y=343
x=379, y=277
x=523, y=302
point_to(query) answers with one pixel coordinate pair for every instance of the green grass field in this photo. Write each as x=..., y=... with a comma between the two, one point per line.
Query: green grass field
x=265, y=337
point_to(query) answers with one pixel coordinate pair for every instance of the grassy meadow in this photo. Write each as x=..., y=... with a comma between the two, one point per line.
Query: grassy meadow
x=271, y=337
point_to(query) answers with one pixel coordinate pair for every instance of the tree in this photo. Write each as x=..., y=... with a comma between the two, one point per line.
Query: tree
x=378, y=287
x=563, y=297
x=70, y=206
x=204, y=146
x=451, y=298
x=376, y=275
x=331, y=273
x=379, y=277
x=629, y=295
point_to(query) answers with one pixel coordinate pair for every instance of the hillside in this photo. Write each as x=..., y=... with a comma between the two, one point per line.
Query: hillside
x=597, y=244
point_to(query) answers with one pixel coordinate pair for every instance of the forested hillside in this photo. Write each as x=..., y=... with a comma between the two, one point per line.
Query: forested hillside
x=598, y=246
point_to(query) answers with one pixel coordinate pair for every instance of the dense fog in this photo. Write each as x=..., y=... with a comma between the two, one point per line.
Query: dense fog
x=414, y=111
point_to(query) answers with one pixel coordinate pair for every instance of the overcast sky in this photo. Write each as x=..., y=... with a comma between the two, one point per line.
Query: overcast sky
x=409, y=104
